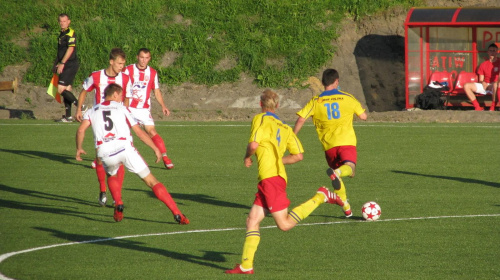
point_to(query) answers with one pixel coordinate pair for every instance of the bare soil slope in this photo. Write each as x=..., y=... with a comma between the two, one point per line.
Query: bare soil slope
x=370, y=60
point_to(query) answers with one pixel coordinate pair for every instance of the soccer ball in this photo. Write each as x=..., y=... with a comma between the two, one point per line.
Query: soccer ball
x=371, y=211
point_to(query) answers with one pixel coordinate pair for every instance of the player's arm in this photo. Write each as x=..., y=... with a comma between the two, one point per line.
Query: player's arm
x=147, y=140
x=482, y=82
x=65, y=58
x=251, y=148
x=159, y=98
x=363, y=116
x=80, y=135
x=298, y=125
x=81, y=100
x=292, y=158
x=127, y=94
x=294, y=146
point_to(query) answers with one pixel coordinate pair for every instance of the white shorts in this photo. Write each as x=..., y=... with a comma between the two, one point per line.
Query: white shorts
x=117, y=152
x=143, y=116
x=480, y=89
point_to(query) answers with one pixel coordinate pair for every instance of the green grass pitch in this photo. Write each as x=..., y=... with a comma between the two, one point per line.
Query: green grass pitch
x=437, y=184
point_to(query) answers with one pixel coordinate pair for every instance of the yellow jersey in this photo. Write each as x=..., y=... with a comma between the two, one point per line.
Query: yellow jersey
x=332, y=112
x=274, y=138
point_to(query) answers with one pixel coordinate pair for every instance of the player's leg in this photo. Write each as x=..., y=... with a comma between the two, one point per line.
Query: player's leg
x=120, y=174
x=115, y=188
x=333, y=160
x=101, y=178
x=342, y=194
x=163, y=195
x=286, y=221
x=66, y=80
x=252, y=240
x=470, y=89
x=64, y=89
x=161, y=192
x=111, y=165
x=160, y=144
x=342, y=162
x=69, y=99
x=493, y=87
x=67, y=110
x=346, y=170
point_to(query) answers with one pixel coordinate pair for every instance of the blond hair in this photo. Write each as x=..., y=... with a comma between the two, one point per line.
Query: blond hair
x=269, y=100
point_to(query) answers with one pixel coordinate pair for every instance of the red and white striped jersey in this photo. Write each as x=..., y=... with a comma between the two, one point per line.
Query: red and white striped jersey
x=143, y=82
x=110, y=121
x=98, y=81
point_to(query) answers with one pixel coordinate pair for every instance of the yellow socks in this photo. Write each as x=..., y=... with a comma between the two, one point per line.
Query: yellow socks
x=252, y=240
x=343, y=195
x=252, y=237
x=345, y=170
x=341, y=192
x=305, y=209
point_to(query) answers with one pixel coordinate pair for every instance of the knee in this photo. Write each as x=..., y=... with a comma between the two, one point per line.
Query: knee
x=285, y=228
x=353, y=168
x=150, y=180
x=469, y=88
x=151, y=131
x=252, y=224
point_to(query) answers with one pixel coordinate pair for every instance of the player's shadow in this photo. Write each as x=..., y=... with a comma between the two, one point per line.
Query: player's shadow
x=20, y=114
x=459, y=179
x=68, y=207
x=62, y=158
x=43, y=208
x=39, y=195
x=341, y=217
x=207, y=259
x=199, y=198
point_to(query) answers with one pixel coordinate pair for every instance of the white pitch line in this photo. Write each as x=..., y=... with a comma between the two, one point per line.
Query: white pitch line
x=8, y=255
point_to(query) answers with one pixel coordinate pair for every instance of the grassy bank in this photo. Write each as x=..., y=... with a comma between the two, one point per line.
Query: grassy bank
x=210, y=42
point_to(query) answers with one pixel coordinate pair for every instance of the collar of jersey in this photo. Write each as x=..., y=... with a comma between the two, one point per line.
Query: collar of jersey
x=272, y=114
x=65, y=31
x=331, y=92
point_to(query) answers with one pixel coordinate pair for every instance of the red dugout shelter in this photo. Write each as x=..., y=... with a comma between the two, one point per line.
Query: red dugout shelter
x=449, y=43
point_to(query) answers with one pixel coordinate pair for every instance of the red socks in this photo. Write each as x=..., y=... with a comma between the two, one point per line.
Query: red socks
x=121, y=174
x=475, y=103
x=163, y=195
x=115, y=188
x=101, y=176
x=159, y=143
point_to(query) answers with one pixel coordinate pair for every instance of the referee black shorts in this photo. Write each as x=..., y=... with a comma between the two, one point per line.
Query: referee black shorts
x=68, y=74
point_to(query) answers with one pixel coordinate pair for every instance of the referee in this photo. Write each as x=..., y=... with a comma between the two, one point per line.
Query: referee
x=66, y=65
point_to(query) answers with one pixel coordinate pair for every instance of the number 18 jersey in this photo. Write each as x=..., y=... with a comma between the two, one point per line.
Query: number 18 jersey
x=332, y=113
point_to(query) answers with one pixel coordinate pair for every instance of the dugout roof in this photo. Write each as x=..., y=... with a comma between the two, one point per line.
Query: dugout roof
x=453, y=16
x=446, y=39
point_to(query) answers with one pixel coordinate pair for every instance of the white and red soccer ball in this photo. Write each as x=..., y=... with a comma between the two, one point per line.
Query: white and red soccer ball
x=371, y=211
